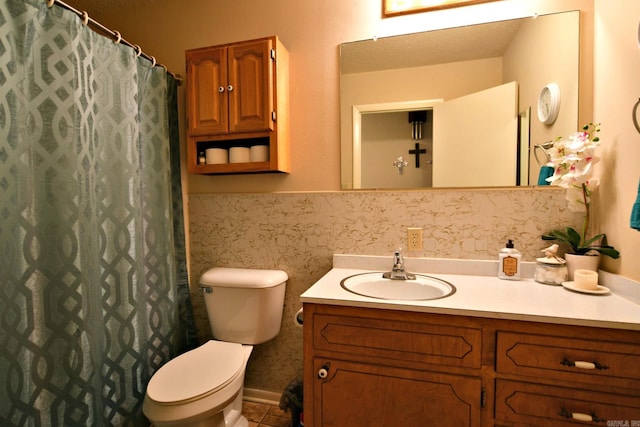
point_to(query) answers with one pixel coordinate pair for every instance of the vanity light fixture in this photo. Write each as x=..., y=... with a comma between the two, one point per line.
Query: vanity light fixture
x=404, y=7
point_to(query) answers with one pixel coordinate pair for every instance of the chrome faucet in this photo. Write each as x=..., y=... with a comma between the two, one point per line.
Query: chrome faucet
x=398, y=272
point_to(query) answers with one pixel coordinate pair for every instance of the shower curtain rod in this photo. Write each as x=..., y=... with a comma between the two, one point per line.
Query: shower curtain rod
x=86, y=19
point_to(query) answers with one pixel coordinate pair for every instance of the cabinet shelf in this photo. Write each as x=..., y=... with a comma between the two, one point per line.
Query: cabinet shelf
x=234, y=168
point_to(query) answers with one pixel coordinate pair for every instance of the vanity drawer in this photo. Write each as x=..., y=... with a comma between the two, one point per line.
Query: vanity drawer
x=520, y=403
x=569, y=359
x=409, y=340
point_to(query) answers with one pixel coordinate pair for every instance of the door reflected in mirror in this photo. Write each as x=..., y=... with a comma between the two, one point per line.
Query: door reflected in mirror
x=458, y=75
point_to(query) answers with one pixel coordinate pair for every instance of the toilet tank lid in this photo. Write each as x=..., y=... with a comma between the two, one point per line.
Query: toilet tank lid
x=243, y=277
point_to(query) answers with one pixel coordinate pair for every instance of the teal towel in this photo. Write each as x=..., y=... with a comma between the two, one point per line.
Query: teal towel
x=545, y=172
x=635, y=212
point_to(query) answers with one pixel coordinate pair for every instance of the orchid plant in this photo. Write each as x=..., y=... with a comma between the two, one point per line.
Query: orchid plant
x=573, y=160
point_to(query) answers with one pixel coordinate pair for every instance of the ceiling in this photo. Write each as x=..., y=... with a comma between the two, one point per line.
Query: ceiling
x=470, y=42
x=428, y=48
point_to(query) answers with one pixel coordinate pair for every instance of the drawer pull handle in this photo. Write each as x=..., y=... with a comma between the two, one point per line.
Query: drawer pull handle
x=583, y=365
x=581, y=417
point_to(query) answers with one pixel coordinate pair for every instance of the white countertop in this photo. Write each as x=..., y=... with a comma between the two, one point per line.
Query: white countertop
x=480, y=293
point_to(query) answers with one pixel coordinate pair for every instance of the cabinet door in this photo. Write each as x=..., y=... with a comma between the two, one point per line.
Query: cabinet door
x=357, y=394
x=251, y=86
x=207, y=91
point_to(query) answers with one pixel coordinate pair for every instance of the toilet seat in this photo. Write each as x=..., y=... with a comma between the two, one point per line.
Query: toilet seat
x=186, y=377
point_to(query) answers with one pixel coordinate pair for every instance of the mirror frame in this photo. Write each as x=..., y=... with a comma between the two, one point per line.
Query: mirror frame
x=390, y=10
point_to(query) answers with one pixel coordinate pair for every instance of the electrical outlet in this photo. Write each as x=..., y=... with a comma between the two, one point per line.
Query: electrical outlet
x=414, y=239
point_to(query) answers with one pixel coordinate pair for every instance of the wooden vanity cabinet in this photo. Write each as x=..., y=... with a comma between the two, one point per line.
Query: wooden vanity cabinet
x=237, y=95
x=377, y=367
x=553, y=375
x=367, y=369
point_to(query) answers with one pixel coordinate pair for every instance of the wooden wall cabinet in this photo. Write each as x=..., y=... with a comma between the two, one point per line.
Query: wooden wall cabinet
x=238, y=96
x=383, y=367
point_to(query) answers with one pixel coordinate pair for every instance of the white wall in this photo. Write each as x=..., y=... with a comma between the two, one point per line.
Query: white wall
x=442, y=81
x=312, y=32
x=617, y=89
x=560, y=66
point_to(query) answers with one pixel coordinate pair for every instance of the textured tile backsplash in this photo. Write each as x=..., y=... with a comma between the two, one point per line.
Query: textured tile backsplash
x=299, y=233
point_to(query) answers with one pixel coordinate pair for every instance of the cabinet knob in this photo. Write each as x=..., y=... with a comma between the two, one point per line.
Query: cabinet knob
x=230, y=88
x=221, y=89
x=323, y=372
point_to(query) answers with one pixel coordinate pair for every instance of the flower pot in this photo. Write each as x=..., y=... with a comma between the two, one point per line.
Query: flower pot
x=587, y=262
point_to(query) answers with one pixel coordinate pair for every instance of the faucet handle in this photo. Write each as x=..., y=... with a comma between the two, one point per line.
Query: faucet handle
x=398, y=262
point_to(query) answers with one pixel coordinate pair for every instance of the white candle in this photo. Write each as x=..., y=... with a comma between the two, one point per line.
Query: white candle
x=585, y=279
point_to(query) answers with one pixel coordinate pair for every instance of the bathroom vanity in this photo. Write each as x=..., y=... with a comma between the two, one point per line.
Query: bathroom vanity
x=495, y=353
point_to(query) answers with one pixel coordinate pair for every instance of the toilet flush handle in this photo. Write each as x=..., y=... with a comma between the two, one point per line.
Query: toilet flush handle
x=206, y=289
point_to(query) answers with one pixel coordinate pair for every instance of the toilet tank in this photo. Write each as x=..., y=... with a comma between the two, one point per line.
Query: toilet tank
x=244, y=305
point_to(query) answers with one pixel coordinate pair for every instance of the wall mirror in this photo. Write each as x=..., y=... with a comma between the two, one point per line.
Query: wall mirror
x=475, y=91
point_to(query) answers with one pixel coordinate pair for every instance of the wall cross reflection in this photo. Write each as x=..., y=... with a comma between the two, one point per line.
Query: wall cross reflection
x=416, y=152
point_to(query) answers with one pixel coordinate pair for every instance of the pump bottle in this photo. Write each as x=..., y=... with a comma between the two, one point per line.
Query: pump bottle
x=509, y=262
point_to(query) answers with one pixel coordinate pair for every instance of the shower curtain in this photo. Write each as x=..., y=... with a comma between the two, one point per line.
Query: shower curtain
x=92, y=268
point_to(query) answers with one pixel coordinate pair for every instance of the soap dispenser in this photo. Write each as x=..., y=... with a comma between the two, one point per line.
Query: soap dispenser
x=509, y=265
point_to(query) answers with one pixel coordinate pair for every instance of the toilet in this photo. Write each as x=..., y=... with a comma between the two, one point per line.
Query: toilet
x=203, y=387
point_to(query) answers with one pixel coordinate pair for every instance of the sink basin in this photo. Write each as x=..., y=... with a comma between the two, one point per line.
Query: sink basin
x=421, y=288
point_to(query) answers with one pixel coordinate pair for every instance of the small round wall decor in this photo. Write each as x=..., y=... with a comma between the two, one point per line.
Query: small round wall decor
x=549, y=103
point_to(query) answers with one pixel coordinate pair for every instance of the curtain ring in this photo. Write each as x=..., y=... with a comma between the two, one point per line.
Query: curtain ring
x=118, y=37
x=137, y=49
x=85, y=18
x=635, y=116
x=153, y=61
x=50, y=3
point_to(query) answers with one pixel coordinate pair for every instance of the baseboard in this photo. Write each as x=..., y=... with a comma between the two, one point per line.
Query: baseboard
x=261, y=396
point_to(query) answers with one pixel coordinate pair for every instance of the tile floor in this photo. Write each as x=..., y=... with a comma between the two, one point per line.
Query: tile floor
x=264, y=415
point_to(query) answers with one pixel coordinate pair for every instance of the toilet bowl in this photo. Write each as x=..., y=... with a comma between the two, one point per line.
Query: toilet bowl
x=203, y=387
x=184, y=393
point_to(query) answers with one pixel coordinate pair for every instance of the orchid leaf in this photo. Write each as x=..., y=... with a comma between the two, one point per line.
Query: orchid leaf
x=571, y=238
x=609, y=251
x=593, y=240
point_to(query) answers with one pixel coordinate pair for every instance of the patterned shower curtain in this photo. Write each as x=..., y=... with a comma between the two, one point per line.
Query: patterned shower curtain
x=91, y=240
